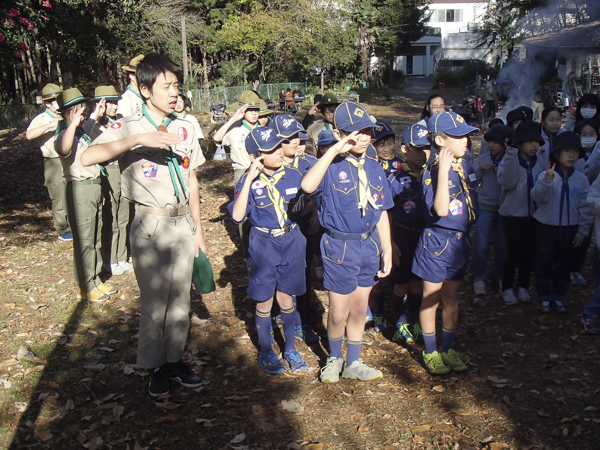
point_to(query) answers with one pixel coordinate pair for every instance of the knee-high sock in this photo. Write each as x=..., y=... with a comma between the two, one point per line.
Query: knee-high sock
x=289, y=327
x=263, y=328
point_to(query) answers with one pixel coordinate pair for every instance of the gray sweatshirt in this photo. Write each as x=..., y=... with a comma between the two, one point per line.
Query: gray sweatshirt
x=489, y=189
x=546, y=194
x=513, y=180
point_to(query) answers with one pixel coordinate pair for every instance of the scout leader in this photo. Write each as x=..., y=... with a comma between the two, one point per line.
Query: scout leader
x=131, y=101
x=42, y=128
x=158, y=154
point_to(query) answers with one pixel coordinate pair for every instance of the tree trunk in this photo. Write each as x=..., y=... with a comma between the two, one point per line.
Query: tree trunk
x=38, y=64
x=364, y=52
x=204, y=66
x=59, y=75
x=322, y=81
x=184, y=50
x=51, y=67
x=20, y=88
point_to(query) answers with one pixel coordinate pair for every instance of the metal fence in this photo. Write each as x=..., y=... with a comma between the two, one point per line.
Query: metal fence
x=17, y=116
x=203, y=99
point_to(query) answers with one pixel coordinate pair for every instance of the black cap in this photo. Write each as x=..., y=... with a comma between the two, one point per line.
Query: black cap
x=568, y=139
x=528, y=131
x=522, y=112
x=500, y=133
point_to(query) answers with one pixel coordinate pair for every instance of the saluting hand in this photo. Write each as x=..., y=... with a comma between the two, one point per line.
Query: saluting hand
x=78, y=115
x=345, y=144
x=313, y=109
x=550, y=171
x=158, y=139
x=445, y=160
x=256, y=168
x=100, y=108
x=239, y=114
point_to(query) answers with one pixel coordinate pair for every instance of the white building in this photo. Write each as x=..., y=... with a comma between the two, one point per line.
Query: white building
x=452, y=35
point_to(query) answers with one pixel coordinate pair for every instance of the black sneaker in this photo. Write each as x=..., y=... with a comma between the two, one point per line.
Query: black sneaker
x=183, y=374
x=159, y=382
x=591, y=324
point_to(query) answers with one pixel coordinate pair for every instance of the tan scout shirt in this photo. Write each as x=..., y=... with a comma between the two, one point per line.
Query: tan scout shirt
x=197, y=127
x=72, y=167
x=314, y=129
x=145, y=176
x=130, y=104
x=236, y=140
x=48, y=138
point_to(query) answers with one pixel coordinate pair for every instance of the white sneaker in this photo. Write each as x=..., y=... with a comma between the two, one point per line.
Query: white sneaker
x=128, y=267
x=479, y=286
x=116, y=269
x=508, y=295
x=523, y=295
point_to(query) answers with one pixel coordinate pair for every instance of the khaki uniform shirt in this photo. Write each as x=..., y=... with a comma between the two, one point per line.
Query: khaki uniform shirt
x=314, y=129
x=197, y=127
x=145, y=176
x=48, y=137
x=72, y=167
x=236, y=140
x=130, y=104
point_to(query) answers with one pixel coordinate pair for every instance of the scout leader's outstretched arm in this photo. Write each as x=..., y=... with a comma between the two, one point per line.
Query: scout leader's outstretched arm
x=66, y=143
x=313, y=177
x=221, y=132
x=241, y=202
x=383, y=227
x=194, y=203
x=441, y=203
x=99, y=153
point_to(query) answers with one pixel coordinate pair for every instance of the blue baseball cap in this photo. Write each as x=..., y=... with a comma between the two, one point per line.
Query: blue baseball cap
x=326, y=137
x=286, y=126
x=450, y=123
x=303, y=136
x=263, y=139
x=350, y=116
x=381, y=130
x=416, y=135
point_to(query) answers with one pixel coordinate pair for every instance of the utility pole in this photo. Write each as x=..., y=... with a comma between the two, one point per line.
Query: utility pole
x=184, y=48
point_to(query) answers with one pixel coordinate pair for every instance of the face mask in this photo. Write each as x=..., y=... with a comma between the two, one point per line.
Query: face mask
x=589, y=141
x=587, y=113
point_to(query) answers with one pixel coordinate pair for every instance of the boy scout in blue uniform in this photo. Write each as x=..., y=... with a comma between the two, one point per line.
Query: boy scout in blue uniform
x=353, y=196
x=42, y=128
x=385, y=145
x=408, y=221
x=158, y=154
x=450, y=192
x=276, y=264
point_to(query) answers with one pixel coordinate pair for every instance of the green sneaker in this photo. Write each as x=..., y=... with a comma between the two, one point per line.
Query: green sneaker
x=402, y=332
x=452, y=360
x=434, y=364
x=330, y=372
x=358, y=370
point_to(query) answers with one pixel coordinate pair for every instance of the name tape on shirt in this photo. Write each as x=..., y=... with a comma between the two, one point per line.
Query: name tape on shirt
x=291, y=191
x=472, y=177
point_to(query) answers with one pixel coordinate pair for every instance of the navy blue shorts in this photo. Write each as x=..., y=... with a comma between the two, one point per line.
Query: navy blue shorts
x=276, y=264
x=407, y=241
x=439, y=257
x=350, y=264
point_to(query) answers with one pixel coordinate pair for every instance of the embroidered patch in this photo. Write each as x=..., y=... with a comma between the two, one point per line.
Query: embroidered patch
x=472, y=177
x=450, y=183
x=287, y=122
x=236, y=192
x=427, y=181
x=182, y=132
x=264, y=135
x=406, y=185
x=456, y=207
x=259, y=191
x=116, y=125
x=422, y=133
x=291, y=191
x=460, y=119
x=343, y=175
x=409, y=207
x=375, y=197
x=576, y=193
x=396, y=165
x=359, y=112
x=149, y=169
x=257, y=184
x=186, y=162
x=405, y=180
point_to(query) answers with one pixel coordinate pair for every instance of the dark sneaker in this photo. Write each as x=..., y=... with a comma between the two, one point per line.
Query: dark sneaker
x=306, y=334
x=591, y=324
x=558, y=306
x=159, y=382
x=545, y=306
x=379, y=323
x=271, y=363
x=402, y=332
x=183, y=374
x=294, y=360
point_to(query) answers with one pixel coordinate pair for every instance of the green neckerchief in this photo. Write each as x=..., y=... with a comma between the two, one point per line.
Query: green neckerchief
x=50, y=114
x=172, y=162
x=248, y=126
x=136, y=93
x=181, y=117
x=110, y=120
x=327, y=125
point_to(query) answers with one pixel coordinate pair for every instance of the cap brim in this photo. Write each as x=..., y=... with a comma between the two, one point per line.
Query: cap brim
x=303, y=136
x=129, y=69
x=50, y=96
x=386, y=134
x=75, y=101
x=107, y=97
x=462, y=130
x=325, y=142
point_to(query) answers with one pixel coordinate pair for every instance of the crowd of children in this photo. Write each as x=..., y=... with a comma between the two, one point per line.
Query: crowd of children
x=389, y=225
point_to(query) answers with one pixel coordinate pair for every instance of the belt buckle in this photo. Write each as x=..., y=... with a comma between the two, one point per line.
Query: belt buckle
x=286, y=229
x=173, y=212
x=459, y=235
x=364, y=235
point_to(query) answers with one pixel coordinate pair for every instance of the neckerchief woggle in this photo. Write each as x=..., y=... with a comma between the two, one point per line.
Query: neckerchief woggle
x=564, y=193
x=528, y=166
x=170, y=157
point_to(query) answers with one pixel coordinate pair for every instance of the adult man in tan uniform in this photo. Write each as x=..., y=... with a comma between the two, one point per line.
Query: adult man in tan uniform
x=42, y=128
x=327, y=107
x=166, y=231
x=131, y=101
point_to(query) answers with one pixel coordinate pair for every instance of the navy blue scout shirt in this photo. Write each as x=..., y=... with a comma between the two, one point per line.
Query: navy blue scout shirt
x=391, y=166
x=338, y=197
x=408, y=199
x=260, y=210
x=303, y=163
x=458, y=214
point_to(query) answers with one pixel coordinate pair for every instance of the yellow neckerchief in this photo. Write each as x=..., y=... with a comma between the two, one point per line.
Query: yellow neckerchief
x=294, y=162
x=364, y=193
x=460, y=170
x=274, y=195
x=411, y=172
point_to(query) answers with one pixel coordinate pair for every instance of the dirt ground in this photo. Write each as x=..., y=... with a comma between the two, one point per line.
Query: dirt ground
x=533, y=381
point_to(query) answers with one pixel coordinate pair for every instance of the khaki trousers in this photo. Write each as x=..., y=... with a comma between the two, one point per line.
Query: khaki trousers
x=84, y=201
x=163, y=252
x=115, y=217
x=55, y=182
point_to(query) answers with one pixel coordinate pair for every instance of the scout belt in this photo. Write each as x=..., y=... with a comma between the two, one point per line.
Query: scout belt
x=87, y=181
x=447, y=232
x=168, y=212
x=350, y=236
x=405, y=227
x=275, y=232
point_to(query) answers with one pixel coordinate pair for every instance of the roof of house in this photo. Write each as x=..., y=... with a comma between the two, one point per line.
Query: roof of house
x=586, y=35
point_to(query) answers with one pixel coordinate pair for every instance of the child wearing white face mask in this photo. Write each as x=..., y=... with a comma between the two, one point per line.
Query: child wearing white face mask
x=588, y=107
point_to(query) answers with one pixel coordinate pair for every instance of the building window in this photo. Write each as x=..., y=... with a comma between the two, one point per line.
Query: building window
x=447, y=15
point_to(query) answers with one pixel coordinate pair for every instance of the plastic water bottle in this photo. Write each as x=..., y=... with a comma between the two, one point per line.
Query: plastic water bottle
x=220, y=154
